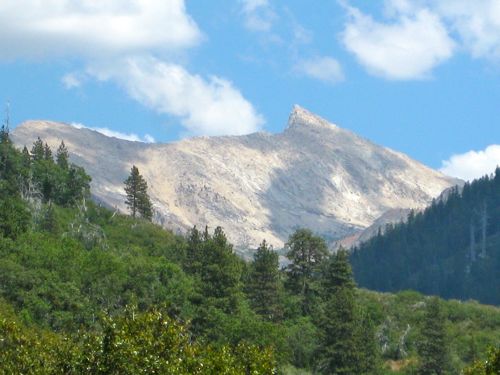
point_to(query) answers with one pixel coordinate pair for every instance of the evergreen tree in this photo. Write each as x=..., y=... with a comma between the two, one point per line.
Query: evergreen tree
x=221, y=271
x=44, y=175
x=433, y=347
x=62, y=156
x=9, y=164
x=4, y=133
x=218, y=278
x=14, y=213
x=76, y=187
x=263, y=286
x=138, y=200
x=306, y=253
x=25, y=170
x=47, y=153
x=367, y=346
x=49, y=221
x=339, y=353
x=38, y=150
x=194, y=249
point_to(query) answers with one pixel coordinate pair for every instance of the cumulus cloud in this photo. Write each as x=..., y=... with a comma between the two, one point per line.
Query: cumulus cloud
x=395, y=48
x=115, y=39
x=477, y=22
x=258, y=15
x=407, y=47
x=472, y=164
x=326, y=69
x=115, y=134
x=33, y=28
x=210, y=106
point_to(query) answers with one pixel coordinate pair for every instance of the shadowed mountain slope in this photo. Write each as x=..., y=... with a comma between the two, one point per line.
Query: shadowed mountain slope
x=258, y=186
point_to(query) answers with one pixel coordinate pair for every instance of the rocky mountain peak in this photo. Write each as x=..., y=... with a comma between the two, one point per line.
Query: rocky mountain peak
x=301, y=118
x=314, y=175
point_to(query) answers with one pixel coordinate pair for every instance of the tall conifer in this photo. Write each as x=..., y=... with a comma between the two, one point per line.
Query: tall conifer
x=306, y=253
x=138, y=200
x=340, y=352
x=433, y=347
x=263, y=288
x=62, y=156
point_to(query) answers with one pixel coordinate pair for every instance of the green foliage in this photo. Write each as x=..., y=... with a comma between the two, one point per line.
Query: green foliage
x=49, y=222
x=348, y=339
x=306, y=253
x=134, y=343
x=138, y=200
x=38, y=150
x=62, y=156
x=433, y=347
x=303, y=342
x=263, y=285
x=14, y=214
x=63, y=183
x=452, y=249
x=69, y=268
x=491, y=366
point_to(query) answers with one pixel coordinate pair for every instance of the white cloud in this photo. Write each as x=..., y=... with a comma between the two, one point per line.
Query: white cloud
x=408, y=47
x=325, y=69
x=112, y=133
x=258, y=15
x=416, y=35
x=114, y=39
x=477, y=22
x=472, y=164
x=71, y=81
x=33, y=28
x=210, y=106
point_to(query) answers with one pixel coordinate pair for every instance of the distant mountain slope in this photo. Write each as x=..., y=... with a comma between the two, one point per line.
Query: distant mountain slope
x=257, y=186
x=452, y=249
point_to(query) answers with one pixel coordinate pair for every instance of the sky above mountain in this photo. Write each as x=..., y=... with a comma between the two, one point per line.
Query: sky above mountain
x=421, y=76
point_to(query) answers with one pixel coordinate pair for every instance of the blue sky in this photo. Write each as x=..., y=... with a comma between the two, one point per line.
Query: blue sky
x=421, y=76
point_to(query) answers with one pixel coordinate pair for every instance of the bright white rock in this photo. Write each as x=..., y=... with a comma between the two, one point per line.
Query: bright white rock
x=258, y=186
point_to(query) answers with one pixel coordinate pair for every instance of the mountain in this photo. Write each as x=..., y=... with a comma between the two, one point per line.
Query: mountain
x=451, y=249
x=259, y=186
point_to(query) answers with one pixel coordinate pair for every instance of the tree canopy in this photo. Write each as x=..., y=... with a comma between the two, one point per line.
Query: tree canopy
x=138, y=200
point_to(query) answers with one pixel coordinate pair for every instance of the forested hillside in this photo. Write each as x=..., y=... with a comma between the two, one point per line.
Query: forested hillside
x=452, y=249
x=87, y=290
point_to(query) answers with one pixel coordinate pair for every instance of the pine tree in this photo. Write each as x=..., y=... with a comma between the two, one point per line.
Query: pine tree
x=38, y=150
x=221, y=272
x=306, y=252
x=9, y=163
x=49, y=221
x=77, y=186
x=433, y=347
x=138, y=200
x=62, y=156
x=14, y=212
x=194, y=251
x=368, y=349
x=47, y=153
x=263, y=288
x=25, y=170
x=339, y=352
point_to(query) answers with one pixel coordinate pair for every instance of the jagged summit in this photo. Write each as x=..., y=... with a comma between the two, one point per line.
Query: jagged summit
x=302, y=118
x=257, y=186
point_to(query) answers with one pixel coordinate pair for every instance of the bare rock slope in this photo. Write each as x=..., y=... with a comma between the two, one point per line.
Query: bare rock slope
x=258, y=186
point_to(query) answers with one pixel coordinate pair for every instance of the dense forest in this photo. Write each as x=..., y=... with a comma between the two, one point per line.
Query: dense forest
x=452, y=249
x=87, y=290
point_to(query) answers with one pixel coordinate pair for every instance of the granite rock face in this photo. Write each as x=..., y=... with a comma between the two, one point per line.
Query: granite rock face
x=259, y=186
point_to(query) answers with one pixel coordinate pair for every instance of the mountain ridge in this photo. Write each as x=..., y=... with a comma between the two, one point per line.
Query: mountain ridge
x=258, y=186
